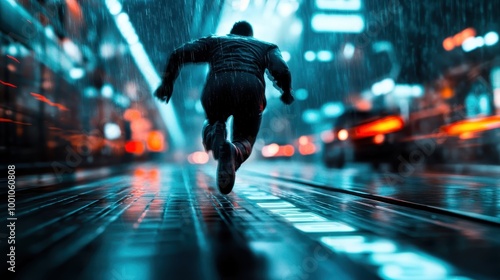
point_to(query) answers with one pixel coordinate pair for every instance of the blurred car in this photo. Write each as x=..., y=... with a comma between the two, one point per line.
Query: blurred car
x=363, y=136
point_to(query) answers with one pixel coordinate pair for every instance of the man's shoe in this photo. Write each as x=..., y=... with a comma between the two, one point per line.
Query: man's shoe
x=226, y=169
x=213, y=137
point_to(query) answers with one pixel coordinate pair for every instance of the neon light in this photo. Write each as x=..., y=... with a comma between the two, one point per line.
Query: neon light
x=263, y=197
x=342, y=5
x=325, y=56
x=282, y=204
x=324, y=227
x=148, y=71
x=303, y=217
x=338, y=23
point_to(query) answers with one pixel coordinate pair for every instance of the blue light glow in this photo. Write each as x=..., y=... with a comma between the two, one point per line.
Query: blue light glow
x=282, y=204
x=491, y=38
x=324, y=227
x=286, y=56
x=325, y=56
x=349, y=50
x=338, y=23
x=309, y=55
x=342, y=5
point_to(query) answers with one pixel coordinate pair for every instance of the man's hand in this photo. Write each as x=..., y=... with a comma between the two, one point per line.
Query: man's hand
x=164, y=92
x=287, y=98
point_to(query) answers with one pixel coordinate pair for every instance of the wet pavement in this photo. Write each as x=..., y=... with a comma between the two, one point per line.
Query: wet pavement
x=283, y=221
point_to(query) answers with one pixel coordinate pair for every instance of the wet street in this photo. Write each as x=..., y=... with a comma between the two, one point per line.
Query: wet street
x=283, y=221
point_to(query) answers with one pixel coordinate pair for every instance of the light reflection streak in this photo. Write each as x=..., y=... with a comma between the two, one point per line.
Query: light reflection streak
x=13, y=58
x=8, y=84
x=44, y=99
x=12, y=121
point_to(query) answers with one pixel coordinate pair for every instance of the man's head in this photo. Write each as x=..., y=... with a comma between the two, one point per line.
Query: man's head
x=242, y=28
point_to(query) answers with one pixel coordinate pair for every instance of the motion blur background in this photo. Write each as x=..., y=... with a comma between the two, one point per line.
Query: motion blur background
x=388, y=82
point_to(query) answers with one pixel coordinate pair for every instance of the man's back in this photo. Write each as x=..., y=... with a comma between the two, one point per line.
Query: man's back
x=238, y=53
x=233, y=53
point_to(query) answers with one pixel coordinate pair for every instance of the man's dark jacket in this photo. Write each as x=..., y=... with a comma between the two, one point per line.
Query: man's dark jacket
x=229, y=54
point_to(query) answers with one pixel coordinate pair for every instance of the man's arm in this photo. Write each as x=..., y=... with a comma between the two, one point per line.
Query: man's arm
x=280, y=74
x=192, y=52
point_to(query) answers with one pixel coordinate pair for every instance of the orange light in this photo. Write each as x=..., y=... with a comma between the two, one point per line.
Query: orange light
x=379, y=139
x=155, y=141
x=448, y=44
x=468, y=33
x=467, y=135
x=458, y=39
x=447, y=93
x=343, y=135
x=307, y=149
x=134, y=147
x=381, y=126
x=132, y=114
x=472, y=125
x=287, y=150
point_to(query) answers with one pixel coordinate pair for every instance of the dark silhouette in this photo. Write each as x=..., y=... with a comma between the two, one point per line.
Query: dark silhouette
x=235, y=86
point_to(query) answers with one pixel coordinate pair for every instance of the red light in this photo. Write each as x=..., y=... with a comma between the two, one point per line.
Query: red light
x=134, y=147
x=8, y=84
x=381, y=126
